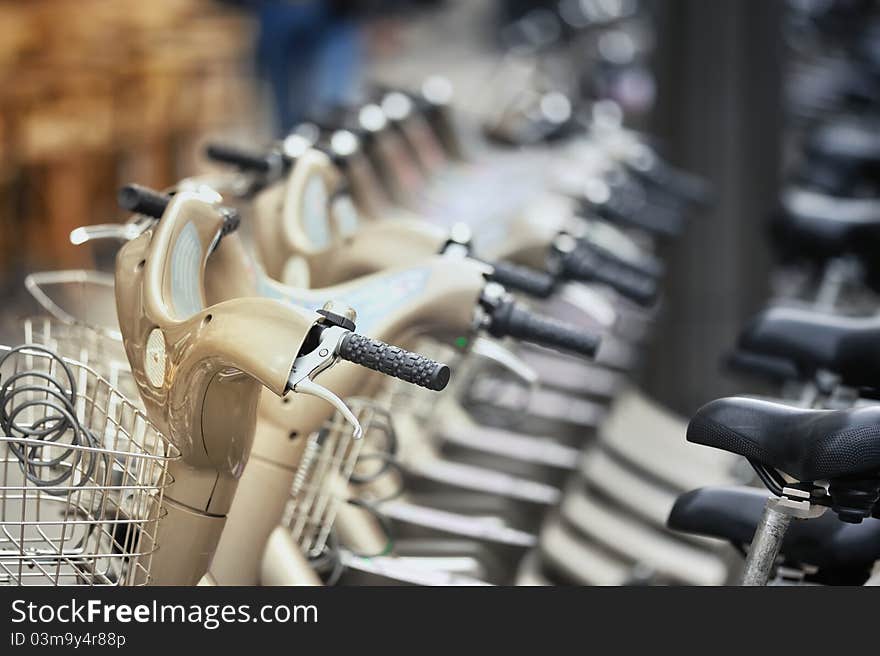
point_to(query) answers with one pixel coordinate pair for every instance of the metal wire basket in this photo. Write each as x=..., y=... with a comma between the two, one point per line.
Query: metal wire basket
x=82, y=475
x=328, y=464
x=87, y=345
x=77, y=296
x=80, y=323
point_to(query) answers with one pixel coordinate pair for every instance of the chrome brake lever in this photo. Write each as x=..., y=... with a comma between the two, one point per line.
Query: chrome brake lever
x=609, y=237
x=494, y=352
x=591, y=302
x=309, y=365
x=310, y=387
x=119, y=231
x=138, y=224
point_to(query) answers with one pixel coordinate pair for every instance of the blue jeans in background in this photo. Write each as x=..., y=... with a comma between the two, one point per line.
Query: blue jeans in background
x=310, y=56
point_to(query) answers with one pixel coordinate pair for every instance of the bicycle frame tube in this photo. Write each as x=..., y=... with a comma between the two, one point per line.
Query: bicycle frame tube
x=395, y=305
x=200, y=373
x=283, y=212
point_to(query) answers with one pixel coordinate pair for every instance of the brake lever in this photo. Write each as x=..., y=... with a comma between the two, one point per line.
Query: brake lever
x=309, y=365
x=609, y=237
x=140, y=223
x=591, y=302
x=127, y=231
x=494, y=352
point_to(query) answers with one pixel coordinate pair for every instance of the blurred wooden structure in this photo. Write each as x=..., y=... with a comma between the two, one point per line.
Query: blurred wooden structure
x=100, y=92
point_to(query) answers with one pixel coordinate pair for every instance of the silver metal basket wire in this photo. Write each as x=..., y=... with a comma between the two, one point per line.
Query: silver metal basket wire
x=77, y=296
x=80, y=323
x=326, y=468
x=85, y=344
x=82, y=475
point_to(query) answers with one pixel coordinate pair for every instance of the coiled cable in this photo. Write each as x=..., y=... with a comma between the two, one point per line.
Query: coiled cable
x=37, y=405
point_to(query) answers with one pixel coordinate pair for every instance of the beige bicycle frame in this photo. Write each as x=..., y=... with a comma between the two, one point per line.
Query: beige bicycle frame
x=442, y=306
x=389, y=237
x=200, y=372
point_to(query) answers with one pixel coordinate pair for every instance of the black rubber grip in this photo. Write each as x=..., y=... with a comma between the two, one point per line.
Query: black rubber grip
x=587, y=265
x=510, y=319
x=240, y=157
x=394, y=361
x=141, y=200
x=676, y=182
x=686, y=185
x=524, y=279
x=146, y=201
x=629, y=210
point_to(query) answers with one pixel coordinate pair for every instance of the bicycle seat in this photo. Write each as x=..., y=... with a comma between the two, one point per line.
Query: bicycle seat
x=810, y=445
x=848, y=139
x=843, y=156
x=732, y=514
x=846, y=346
x=828, y=225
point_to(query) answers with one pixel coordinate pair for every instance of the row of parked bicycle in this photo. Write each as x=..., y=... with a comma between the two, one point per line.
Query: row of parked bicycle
x=395, y=347
x=814, y=448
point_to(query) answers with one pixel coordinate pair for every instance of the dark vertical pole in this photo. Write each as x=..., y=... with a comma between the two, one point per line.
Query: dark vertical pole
x=719, y=77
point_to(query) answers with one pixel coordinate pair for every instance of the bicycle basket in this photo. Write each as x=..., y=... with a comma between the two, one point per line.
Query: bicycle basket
x=326, y=467
x=77, y=296
x=82, y=475
x=87, y=345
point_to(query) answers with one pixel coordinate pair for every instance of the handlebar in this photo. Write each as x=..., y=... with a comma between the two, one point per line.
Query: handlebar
x=142, y=200
x=393, y=361
x=507, y=318
x=586, y=264
x=527, y=280
x=684, y=185
x=631, y=209
x=645, y=264
x=524, y=279
x=242, y=158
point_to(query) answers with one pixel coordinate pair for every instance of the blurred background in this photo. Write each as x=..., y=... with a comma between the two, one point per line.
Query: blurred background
x=97, y=93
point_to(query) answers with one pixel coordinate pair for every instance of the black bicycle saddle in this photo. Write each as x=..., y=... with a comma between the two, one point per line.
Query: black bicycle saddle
x=809, y=445
x=815, y=223
x=843, y=156
x=847, y=139
x=846, y=346
x=732, y=514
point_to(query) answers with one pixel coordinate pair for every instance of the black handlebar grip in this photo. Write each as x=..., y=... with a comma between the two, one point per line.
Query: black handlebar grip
x=393, y=361
x=141, y=200
x=653, y=218
x=240, y=157
x=585, y=264
x=683, y=184
x=510, y=319
x=524, y=279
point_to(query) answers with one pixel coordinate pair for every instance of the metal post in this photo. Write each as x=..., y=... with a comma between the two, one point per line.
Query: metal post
x=719, y=67
x=766, y=543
